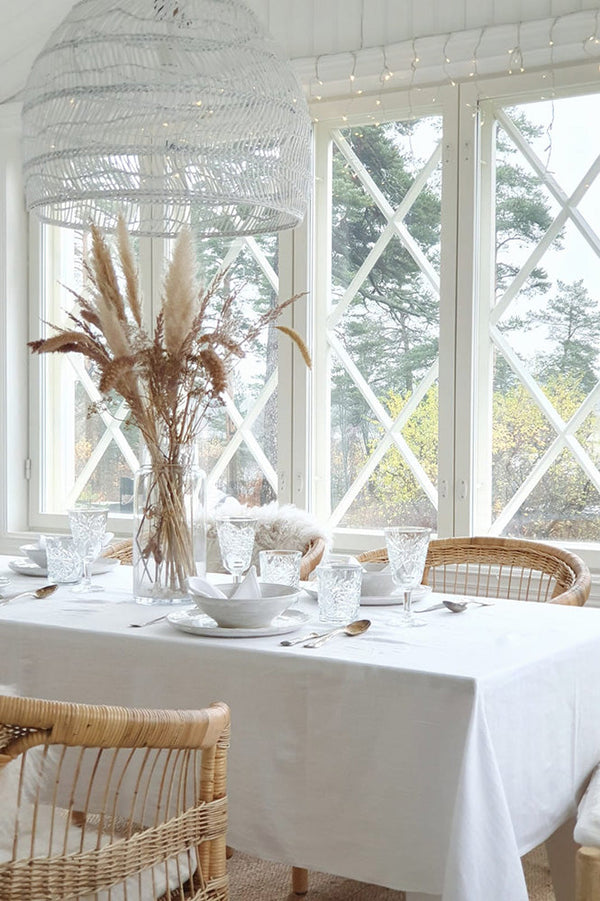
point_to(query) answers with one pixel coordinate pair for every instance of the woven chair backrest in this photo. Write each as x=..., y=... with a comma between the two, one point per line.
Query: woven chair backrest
x=96, y=799
x=502, y=568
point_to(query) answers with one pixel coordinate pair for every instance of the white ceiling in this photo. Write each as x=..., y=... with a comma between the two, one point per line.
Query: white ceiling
x=305, y=28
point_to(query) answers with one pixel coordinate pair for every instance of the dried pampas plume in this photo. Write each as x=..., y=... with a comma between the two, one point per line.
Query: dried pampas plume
x=169, y=379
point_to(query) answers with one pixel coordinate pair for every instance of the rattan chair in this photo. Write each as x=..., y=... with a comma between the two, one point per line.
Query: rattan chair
x=109, y=803
x=311, y=554
x=502, y=568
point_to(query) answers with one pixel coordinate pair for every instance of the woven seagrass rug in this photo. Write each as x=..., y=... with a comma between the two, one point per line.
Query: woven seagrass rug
x=258, y=880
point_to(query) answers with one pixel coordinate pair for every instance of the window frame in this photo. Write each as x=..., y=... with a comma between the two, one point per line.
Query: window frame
x=300, y=482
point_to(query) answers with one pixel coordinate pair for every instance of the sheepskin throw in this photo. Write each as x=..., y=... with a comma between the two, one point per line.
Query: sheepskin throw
x=286, y=527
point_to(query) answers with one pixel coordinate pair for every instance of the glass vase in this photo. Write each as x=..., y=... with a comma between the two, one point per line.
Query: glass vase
x=169, y=531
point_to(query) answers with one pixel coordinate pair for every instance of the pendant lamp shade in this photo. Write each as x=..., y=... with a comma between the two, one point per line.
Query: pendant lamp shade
x=170, y=113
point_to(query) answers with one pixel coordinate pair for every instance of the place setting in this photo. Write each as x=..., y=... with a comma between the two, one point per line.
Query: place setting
x=69, y=562
x=73, y=558
x=246, y=607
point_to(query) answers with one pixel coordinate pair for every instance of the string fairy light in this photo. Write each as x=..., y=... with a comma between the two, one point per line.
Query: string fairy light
x=516, y=55
x=386, y=72
x=453, y=69
x=593, y=40
x=447, y=60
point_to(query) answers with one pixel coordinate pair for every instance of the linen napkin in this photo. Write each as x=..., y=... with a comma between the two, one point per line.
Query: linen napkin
x=248, y=588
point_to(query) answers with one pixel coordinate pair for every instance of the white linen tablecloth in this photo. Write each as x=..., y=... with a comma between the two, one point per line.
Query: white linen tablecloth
x=423, y=759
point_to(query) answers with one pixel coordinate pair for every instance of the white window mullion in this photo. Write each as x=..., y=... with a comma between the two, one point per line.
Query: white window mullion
x=321, y=402
x=475, y=257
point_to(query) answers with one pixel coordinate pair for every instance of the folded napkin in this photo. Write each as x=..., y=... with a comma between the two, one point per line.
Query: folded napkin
x=249, y=587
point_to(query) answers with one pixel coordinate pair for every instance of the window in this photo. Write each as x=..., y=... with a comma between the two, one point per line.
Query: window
x=89, y=451
x=453, y=316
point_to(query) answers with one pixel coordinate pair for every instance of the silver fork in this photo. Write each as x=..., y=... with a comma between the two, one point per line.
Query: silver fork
x=149, y=622
x=288, y=643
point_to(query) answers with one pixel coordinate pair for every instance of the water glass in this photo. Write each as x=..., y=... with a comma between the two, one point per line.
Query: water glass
x=339, y=591
x=280, y=566
x=64, y=563
x=236, y=543
x=407, y=552
x=88, y=527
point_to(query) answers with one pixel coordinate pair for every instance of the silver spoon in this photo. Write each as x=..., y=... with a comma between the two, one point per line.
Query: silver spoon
x=43, y=592
x=461, y=606
x=356, y=628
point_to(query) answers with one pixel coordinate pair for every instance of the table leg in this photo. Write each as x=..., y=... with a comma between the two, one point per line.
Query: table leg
x=299, y=880
x=561, y=850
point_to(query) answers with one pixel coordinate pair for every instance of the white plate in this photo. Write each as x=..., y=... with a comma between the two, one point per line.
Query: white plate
x=200, y=624
x=27, y=567
x=419, y=594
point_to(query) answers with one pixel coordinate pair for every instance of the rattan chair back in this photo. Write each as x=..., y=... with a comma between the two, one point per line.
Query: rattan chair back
x=112, y=803
x=311, y=554
x=502, y=568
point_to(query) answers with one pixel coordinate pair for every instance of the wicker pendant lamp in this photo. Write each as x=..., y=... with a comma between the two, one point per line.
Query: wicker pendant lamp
x=169, y=112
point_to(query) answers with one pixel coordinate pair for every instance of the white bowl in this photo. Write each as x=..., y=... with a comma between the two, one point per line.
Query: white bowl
x=35, y=553
x=376, y=583
x=247, y=613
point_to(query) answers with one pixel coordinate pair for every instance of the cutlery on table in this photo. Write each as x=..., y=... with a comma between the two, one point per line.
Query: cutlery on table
x=454, y=606
x=148, y=622
x=356, y=628
x=39, y=593
x=461, y=606
x=289, y=642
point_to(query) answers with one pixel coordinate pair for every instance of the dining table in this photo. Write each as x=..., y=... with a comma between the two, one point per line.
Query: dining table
x=425, y=759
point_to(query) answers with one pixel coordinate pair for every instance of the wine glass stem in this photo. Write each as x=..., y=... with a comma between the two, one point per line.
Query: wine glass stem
x=86, y=582
x=237, y=577
x=408, y=601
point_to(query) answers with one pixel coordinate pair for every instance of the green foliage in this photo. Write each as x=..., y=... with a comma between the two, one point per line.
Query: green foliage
x=391, y=331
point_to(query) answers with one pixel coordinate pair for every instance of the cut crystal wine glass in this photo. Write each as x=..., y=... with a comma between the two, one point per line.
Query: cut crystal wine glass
x=407, y=551
x=88, y=527
x=236, y=543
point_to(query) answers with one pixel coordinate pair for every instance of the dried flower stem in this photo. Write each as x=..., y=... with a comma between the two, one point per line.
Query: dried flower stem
x=169, y=380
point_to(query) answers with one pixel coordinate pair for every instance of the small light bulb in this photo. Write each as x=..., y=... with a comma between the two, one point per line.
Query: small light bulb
x=352, y=76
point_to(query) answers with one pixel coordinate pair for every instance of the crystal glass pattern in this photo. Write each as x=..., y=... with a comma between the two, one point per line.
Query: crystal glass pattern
x=407, y=551
x=64, y=563
x=88, y=527
x=236, y=543
x=339, y=591
x=280, y=566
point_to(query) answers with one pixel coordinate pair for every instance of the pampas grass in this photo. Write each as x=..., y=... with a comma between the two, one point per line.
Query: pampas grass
x=171, y=378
